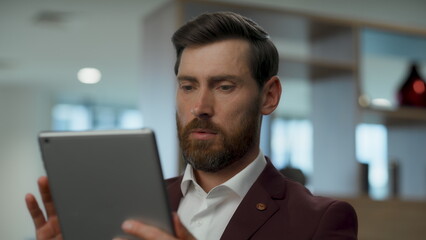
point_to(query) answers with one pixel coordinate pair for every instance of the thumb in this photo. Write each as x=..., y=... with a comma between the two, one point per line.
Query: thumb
x=181, y=231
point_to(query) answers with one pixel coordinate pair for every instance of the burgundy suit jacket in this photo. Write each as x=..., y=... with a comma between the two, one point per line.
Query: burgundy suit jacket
x=287, y=211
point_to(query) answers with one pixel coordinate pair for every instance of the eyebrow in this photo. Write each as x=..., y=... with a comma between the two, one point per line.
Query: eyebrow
x=186, y=78
x=217, y=78
x=224, y=78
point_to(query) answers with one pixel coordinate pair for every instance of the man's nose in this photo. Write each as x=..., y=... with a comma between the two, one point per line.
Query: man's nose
x=203, y=107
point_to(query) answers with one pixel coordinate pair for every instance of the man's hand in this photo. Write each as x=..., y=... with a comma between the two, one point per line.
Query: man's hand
x=46, y=229
x=148, y=232
x=49, y=229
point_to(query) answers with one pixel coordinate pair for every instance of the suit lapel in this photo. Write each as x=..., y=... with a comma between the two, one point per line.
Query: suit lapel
x=257, y=206
x=249, y=216
x=174, y=192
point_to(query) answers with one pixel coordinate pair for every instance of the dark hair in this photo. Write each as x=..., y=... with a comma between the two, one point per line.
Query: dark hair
x=212, y=27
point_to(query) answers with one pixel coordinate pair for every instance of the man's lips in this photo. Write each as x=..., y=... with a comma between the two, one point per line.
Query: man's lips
x=202, y=134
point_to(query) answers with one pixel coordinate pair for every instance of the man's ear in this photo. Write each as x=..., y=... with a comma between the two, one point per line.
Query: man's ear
x=271, y=94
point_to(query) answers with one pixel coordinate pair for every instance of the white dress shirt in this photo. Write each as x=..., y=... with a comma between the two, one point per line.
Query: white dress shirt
x=206, y=215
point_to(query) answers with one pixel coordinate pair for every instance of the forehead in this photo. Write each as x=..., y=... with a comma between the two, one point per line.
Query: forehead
x=230, y=56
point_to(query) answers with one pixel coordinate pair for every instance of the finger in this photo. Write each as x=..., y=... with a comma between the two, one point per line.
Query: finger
x=44, y=189
x=181, y=231
x=144, y=231
x=35, y=211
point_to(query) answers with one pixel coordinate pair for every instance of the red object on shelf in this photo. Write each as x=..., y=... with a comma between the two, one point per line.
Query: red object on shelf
x=413, y=91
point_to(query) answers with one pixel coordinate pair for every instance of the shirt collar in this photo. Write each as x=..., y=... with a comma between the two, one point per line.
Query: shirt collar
x=240, y=183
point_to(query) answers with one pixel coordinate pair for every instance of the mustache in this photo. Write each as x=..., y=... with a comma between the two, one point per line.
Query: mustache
x=197, y=123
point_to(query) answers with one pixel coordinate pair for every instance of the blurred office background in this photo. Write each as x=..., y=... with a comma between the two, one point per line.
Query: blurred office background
x=45, y=43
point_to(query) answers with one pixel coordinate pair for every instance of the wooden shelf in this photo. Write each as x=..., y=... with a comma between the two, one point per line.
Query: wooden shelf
x=399, y=116
x=389, y=219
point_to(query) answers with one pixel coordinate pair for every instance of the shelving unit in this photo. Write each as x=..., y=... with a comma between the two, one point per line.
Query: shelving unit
x=324, y=52
x=386, y=55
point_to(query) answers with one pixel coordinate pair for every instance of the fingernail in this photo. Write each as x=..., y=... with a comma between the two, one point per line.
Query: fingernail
x=127, y=225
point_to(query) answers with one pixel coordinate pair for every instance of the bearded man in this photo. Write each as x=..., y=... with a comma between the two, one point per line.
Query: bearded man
x=226, y=70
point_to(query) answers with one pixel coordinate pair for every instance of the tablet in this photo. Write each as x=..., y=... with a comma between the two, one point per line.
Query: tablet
x=98, y=179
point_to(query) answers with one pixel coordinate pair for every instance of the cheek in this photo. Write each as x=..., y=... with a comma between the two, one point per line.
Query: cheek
x=182, y=114
x=239, y=111
x=234, y=114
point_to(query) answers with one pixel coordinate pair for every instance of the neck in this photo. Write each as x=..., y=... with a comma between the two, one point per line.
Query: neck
x=209, y=180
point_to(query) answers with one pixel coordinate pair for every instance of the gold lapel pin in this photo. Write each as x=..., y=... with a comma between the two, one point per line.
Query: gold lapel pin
x=261, y=206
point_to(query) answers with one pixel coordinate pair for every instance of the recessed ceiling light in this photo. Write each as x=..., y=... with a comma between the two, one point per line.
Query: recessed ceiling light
x=51, y=17
x=89, y=75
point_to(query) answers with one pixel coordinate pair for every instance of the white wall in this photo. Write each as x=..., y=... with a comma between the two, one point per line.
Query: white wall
x=23, y=113
x=157, y=99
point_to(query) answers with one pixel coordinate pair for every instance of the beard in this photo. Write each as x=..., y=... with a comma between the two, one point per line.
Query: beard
x=225, y=148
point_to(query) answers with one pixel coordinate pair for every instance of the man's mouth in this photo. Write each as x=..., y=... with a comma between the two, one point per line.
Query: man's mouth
x=202, y=134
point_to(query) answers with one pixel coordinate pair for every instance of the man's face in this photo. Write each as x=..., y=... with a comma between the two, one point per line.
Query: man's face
x=218, y=114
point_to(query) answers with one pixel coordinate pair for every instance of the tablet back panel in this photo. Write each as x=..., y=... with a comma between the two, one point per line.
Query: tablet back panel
x=98, y=179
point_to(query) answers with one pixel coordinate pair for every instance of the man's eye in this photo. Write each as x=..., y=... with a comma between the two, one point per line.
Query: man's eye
x=226, y=87
x=186, y=87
